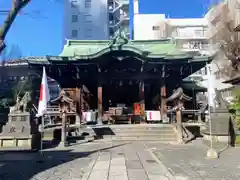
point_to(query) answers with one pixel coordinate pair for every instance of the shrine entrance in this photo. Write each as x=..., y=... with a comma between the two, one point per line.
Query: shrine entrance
x=120, y=73
x=120, y=92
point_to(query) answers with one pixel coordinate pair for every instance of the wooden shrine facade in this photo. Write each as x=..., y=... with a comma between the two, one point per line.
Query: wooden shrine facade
x=137, y=70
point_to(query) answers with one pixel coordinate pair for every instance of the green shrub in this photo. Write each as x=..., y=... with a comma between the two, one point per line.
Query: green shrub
x=237, y=140
x=236, y=106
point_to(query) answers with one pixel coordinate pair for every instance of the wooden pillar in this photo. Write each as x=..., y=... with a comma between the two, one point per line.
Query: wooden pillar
x=163, y=95
x=100, y=106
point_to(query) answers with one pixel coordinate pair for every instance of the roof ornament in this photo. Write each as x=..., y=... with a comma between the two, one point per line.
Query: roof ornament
x=120, y=38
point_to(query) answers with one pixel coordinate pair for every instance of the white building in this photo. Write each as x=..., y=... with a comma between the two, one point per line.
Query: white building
x=189, y=34
x=94, y=19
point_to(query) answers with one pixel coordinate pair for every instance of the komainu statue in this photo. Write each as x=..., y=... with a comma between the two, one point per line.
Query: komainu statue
x=21, y=103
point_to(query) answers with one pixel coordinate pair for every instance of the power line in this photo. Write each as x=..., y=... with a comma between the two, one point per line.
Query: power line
x=33, y=14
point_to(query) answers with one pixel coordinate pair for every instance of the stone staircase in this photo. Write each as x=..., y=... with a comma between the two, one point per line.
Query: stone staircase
x=135, y=132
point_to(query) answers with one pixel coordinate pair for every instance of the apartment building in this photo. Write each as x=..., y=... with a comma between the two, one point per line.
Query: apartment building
x=95, y=20
x=189, y=34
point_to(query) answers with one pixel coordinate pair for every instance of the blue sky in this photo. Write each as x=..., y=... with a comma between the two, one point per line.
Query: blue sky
x=40, y=35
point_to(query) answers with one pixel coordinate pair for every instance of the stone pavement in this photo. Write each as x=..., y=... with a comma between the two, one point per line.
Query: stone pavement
x=91, y=161
x=126, y=161
x=189, y=162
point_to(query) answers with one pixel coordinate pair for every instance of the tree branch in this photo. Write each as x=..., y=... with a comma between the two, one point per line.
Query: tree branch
x=17, y=5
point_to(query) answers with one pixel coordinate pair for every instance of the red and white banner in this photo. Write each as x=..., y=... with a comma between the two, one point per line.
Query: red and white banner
x=44, y=95
x=153, y=115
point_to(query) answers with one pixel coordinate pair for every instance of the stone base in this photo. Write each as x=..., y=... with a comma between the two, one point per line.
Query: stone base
x=20, y=132
x=216, y=138
x=212, y=154
x=63, y=144
x=12, y=142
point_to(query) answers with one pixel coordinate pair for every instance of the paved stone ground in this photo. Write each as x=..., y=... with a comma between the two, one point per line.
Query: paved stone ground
x=189, y=161
x=125, y=161
x=92, y=161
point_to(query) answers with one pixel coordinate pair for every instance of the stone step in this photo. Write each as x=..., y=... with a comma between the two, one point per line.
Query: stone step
x=103, y=131
x=126, y=132
x=114, y=138
x=142, y=130
x=143, y=134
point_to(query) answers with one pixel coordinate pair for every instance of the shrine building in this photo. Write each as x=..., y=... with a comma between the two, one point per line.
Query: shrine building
x=119, y=71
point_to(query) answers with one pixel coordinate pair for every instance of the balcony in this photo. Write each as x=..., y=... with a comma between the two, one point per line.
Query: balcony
x=190, y=33
x=194, y=46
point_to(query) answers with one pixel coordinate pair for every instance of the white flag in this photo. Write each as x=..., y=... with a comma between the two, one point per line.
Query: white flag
x=211, y=88
x=44, y=95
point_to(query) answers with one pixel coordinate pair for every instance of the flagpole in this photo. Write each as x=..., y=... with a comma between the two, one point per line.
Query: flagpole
x=42, y=130
x=209, y=106
x=211, y=153
x=42, y=106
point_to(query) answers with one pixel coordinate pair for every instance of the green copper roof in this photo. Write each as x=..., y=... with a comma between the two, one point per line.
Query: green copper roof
x=162, y=50
x=149, y=48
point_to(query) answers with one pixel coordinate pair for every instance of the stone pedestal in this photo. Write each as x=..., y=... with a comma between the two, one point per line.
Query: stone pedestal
x=212, y=154
x=18, y=131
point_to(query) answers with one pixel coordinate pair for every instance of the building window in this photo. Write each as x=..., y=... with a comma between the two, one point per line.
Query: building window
x=74, y=18
x=88, y=32
x=74, y=33
x=156, y=28
x=194, y=45
x=88, y=3
x=199, y=32
x=74, y=4
x=88, y=18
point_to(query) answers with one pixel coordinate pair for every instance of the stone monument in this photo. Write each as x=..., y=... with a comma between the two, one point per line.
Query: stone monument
x=19, y=129
x=221, y=126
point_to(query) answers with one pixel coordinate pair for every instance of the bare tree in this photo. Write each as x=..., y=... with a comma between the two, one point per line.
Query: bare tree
x=227, y=38
x=17, y=6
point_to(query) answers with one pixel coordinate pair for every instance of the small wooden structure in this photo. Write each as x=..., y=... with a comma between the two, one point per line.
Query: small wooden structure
x=178, y=97
x=67, y=110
